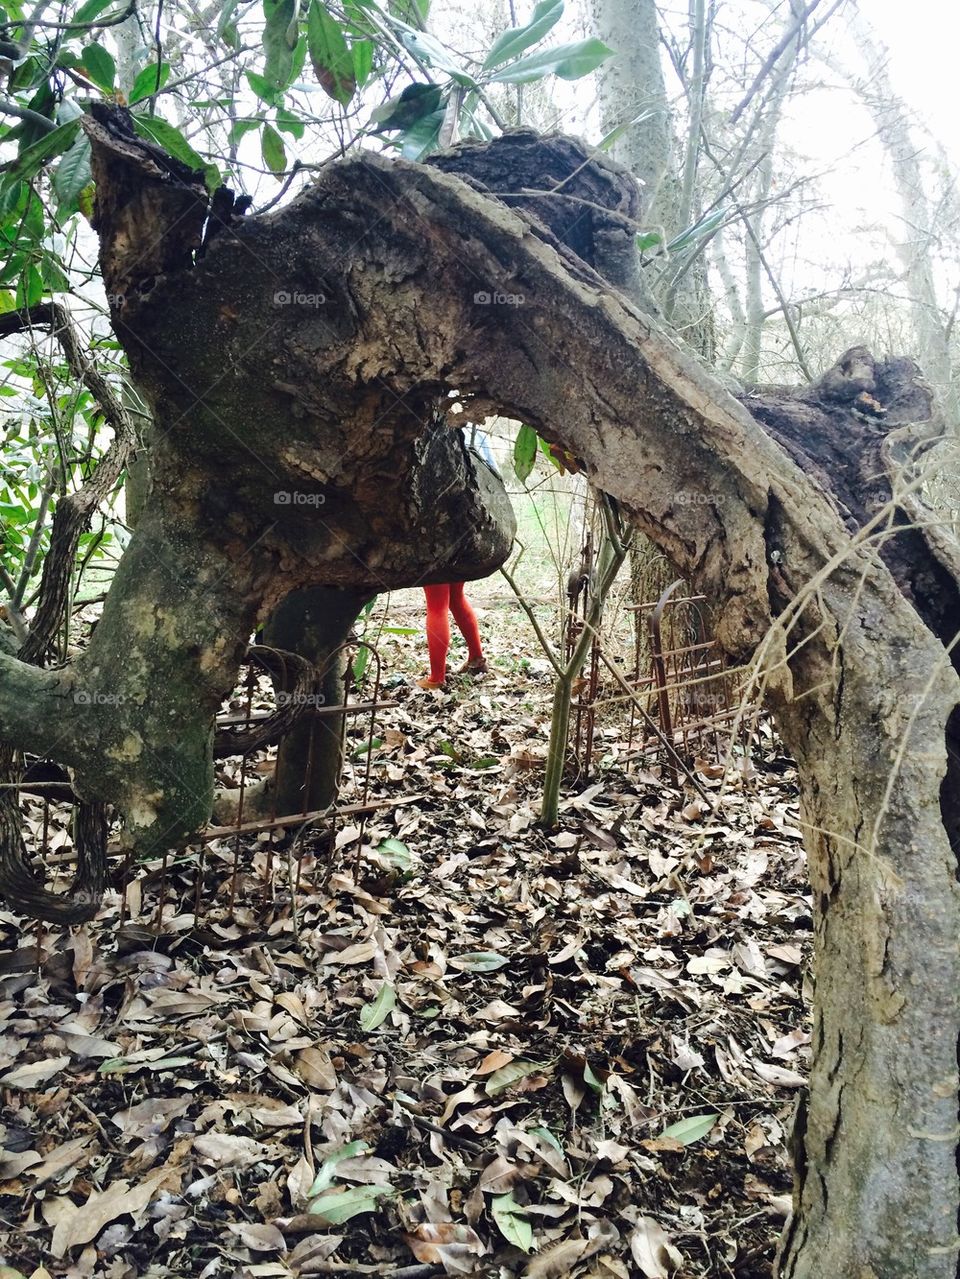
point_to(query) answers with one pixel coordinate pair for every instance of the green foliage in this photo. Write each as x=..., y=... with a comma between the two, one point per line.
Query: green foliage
x=172, y=140
x=148, y=81
x=568, y=61
x=524, y=452
x=280, y=38
x=100, y=66
x=342, y=51
x=517, y=40
x=330, y=55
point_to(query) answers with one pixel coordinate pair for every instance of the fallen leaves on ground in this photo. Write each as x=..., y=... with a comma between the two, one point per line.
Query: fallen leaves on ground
x=473, y=1047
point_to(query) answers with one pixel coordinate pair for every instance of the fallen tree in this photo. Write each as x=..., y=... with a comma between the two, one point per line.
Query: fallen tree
x=314, y=350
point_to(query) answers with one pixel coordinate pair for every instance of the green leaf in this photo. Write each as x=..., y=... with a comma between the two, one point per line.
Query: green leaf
x=338, y=1206
x=52, y=273
x=99, y=65
x=73, y=174
x=513, y=42
x=30, y=160
x=396, y=852
x=122, y=1066
x=509, y=1074
x=360, y=663
x=568, y=61
x=429, y=50
x=145, y=85
x=549, y=1138
x=156, y=129
x=648, y=240
x=401, y=630
x=264, y=89
x=415, y=102
x=511, y=1222
x=272, y=149
x=704, y=227
x=240, y=127
x=478, y=961
x=375, y=1013
x=279, y=41
x=607, y=141
x=687, y=1131
x=7, y=303
x=524, y=452
x=92, y=9
x=330, y=57
x=362, y=54
x=29, y=287
x=590, y=1079
x=290, y=123
x=226, y=26
x=325, y=1172
x=422, y=138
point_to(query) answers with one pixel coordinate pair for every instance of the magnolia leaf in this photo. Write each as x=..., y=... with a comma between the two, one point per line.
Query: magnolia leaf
x=511, y=1223
x=509, y=1074
x=148, y=82
x=396, y=852
x=279, y=41
x=339, y=1205
x=568, y=61
x=378, y=1010
x=687, y=1131
x=99, y=66
x=325, y=1174
x=524, y=452
x=272, y=149
x=516, y=40
x=73, y=174
x=330, y=56
x=479, y=961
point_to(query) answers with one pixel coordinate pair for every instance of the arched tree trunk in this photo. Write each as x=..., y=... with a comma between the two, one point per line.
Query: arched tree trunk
x=337, y=398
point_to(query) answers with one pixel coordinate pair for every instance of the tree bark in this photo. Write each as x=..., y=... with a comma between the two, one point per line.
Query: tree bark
x=314, y=623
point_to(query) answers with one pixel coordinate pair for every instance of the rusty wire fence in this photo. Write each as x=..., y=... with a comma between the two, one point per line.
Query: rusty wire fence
x=679, y=700
x=277, y=696
x=675, y=700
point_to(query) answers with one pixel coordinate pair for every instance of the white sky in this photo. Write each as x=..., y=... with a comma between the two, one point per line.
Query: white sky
x=923, y=37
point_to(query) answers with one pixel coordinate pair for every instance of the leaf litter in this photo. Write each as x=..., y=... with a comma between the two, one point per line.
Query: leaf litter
x=474, y=1048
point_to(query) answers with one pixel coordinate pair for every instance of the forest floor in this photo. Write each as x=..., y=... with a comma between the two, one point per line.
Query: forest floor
x=465, y=1047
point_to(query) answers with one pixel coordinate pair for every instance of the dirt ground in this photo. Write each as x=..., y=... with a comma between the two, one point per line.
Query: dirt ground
x=449, y=1044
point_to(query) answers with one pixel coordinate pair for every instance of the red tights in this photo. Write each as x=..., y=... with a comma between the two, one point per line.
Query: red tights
x=441, y=601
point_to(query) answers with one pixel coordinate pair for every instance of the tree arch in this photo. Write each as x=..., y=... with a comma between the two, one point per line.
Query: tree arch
x=313, y=350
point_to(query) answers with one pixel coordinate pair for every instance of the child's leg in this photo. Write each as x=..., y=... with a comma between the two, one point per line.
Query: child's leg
x=438, y=630
x=466, y=621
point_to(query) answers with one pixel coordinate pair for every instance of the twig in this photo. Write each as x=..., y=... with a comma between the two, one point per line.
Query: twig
x=9, y=107
x=773, y=57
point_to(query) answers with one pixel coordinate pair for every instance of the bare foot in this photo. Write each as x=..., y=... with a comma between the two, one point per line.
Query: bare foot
x=429, y=683
x=475, y=666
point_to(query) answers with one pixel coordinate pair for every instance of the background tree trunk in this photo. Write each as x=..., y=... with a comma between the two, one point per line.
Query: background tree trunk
x=313, y=623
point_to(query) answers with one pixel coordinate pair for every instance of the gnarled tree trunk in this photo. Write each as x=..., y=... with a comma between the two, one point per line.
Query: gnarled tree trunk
x=430, y=285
